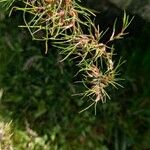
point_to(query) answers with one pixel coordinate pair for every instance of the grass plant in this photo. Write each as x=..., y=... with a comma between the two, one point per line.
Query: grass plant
x=61, y=22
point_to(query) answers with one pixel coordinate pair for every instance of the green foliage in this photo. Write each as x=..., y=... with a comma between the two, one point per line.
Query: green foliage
x=5, y=136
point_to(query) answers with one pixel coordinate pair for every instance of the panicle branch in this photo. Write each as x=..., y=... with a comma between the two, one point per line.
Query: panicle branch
x=59, y=21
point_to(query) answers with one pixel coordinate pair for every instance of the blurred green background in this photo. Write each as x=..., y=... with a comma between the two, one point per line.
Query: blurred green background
x=36, y=94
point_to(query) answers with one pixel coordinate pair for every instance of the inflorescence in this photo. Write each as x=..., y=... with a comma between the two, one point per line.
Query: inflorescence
x=60, y=22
